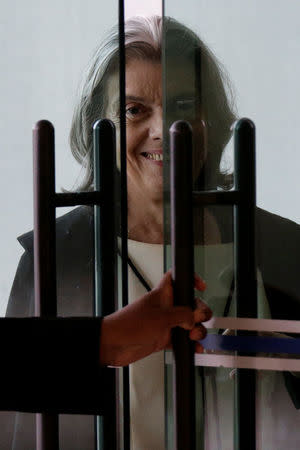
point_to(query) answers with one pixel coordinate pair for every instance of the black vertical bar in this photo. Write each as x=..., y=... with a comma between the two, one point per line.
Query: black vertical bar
x=183, y=281
x=44, y=255
x=105, y=256
x=123, y=176
x=124, y=212
x=245, y=273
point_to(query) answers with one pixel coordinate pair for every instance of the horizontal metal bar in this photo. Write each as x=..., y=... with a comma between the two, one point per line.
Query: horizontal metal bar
x=215, y=198
x=248, y=362
x=251, y=344
x=249, y=324
x=242, y=362
x=77, y=198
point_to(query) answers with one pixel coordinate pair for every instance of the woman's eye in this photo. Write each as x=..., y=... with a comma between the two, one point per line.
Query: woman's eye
x=134, y=111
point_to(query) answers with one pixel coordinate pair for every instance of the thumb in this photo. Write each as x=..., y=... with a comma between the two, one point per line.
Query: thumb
x=181, y=316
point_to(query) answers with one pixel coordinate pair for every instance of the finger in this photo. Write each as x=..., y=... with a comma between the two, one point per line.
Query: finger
x=165, y=287
x=181, y=316
x=200, y=304
x=198, y=333
x=202, y=313
x=199, y=348
x=199, y=283
x=166, y=280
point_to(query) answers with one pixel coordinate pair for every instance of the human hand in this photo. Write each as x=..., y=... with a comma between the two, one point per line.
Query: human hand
x=144, y=327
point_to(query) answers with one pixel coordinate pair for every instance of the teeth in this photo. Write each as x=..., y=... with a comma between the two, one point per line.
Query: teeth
x=155, y=156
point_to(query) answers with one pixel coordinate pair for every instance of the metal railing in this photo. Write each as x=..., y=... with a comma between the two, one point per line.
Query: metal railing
x=45, y=203
x=242, y=198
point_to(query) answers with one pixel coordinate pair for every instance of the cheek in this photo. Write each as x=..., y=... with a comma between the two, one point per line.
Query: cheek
x=132, y=142
x=134, y=139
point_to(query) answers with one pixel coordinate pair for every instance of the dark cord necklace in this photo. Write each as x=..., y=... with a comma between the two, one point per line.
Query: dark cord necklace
x=137, y=273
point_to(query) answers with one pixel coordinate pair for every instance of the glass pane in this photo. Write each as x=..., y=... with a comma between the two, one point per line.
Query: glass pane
x=223, y=62
x=47, y=51
x=145, y=204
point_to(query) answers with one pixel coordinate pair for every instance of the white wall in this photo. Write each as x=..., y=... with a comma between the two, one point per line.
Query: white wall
x=44, y=49
x=258, y=41
x=45, y=46
x=143, y=8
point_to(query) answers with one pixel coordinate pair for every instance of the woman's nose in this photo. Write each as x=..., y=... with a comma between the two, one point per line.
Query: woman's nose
x=155, y=125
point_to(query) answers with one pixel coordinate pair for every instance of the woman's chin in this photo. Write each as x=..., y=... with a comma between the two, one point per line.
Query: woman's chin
x=155, y=187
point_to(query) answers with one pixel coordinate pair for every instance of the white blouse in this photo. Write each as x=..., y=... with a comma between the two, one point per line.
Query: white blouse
x=147, y=407
x=278, y=422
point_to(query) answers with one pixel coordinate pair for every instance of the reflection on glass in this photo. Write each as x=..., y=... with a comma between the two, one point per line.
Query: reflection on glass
x=143, y=105
x=54, y=75
x=99, y=97
x=197, y=89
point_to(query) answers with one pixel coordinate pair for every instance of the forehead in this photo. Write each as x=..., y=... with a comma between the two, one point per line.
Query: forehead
x=143, y=79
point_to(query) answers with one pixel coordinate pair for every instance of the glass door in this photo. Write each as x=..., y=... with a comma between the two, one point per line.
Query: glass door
x=48, y=51
x=221, y=63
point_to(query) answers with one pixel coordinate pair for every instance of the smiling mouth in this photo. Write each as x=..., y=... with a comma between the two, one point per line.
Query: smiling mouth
x=153, y=156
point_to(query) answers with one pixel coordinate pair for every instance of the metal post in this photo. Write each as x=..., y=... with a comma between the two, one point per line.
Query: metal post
x=245, y=273
x=124, y=216
x=105, y=255
x=183, y=281
x=47, y=437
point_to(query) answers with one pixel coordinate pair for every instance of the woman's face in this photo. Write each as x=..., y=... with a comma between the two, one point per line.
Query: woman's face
x=144, y=121
x=143, y=127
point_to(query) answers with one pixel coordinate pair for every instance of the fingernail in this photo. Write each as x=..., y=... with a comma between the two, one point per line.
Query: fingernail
x=201, y=282
x=206, y=310
x=207, y=315
x=203, y=285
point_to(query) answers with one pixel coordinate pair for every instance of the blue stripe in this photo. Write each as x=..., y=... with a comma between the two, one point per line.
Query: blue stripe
x=251, y=344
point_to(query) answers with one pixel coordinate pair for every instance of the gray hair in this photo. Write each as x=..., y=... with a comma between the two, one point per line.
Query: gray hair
x=143, y=40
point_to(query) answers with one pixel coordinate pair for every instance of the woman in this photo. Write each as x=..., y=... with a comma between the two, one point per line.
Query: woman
x=196, y=90
x=75, y=281
x=211, y=119
x=144, y=129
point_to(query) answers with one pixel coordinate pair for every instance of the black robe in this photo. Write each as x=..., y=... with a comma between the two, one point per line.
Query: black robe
x=278, y=255
x=66, y=357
